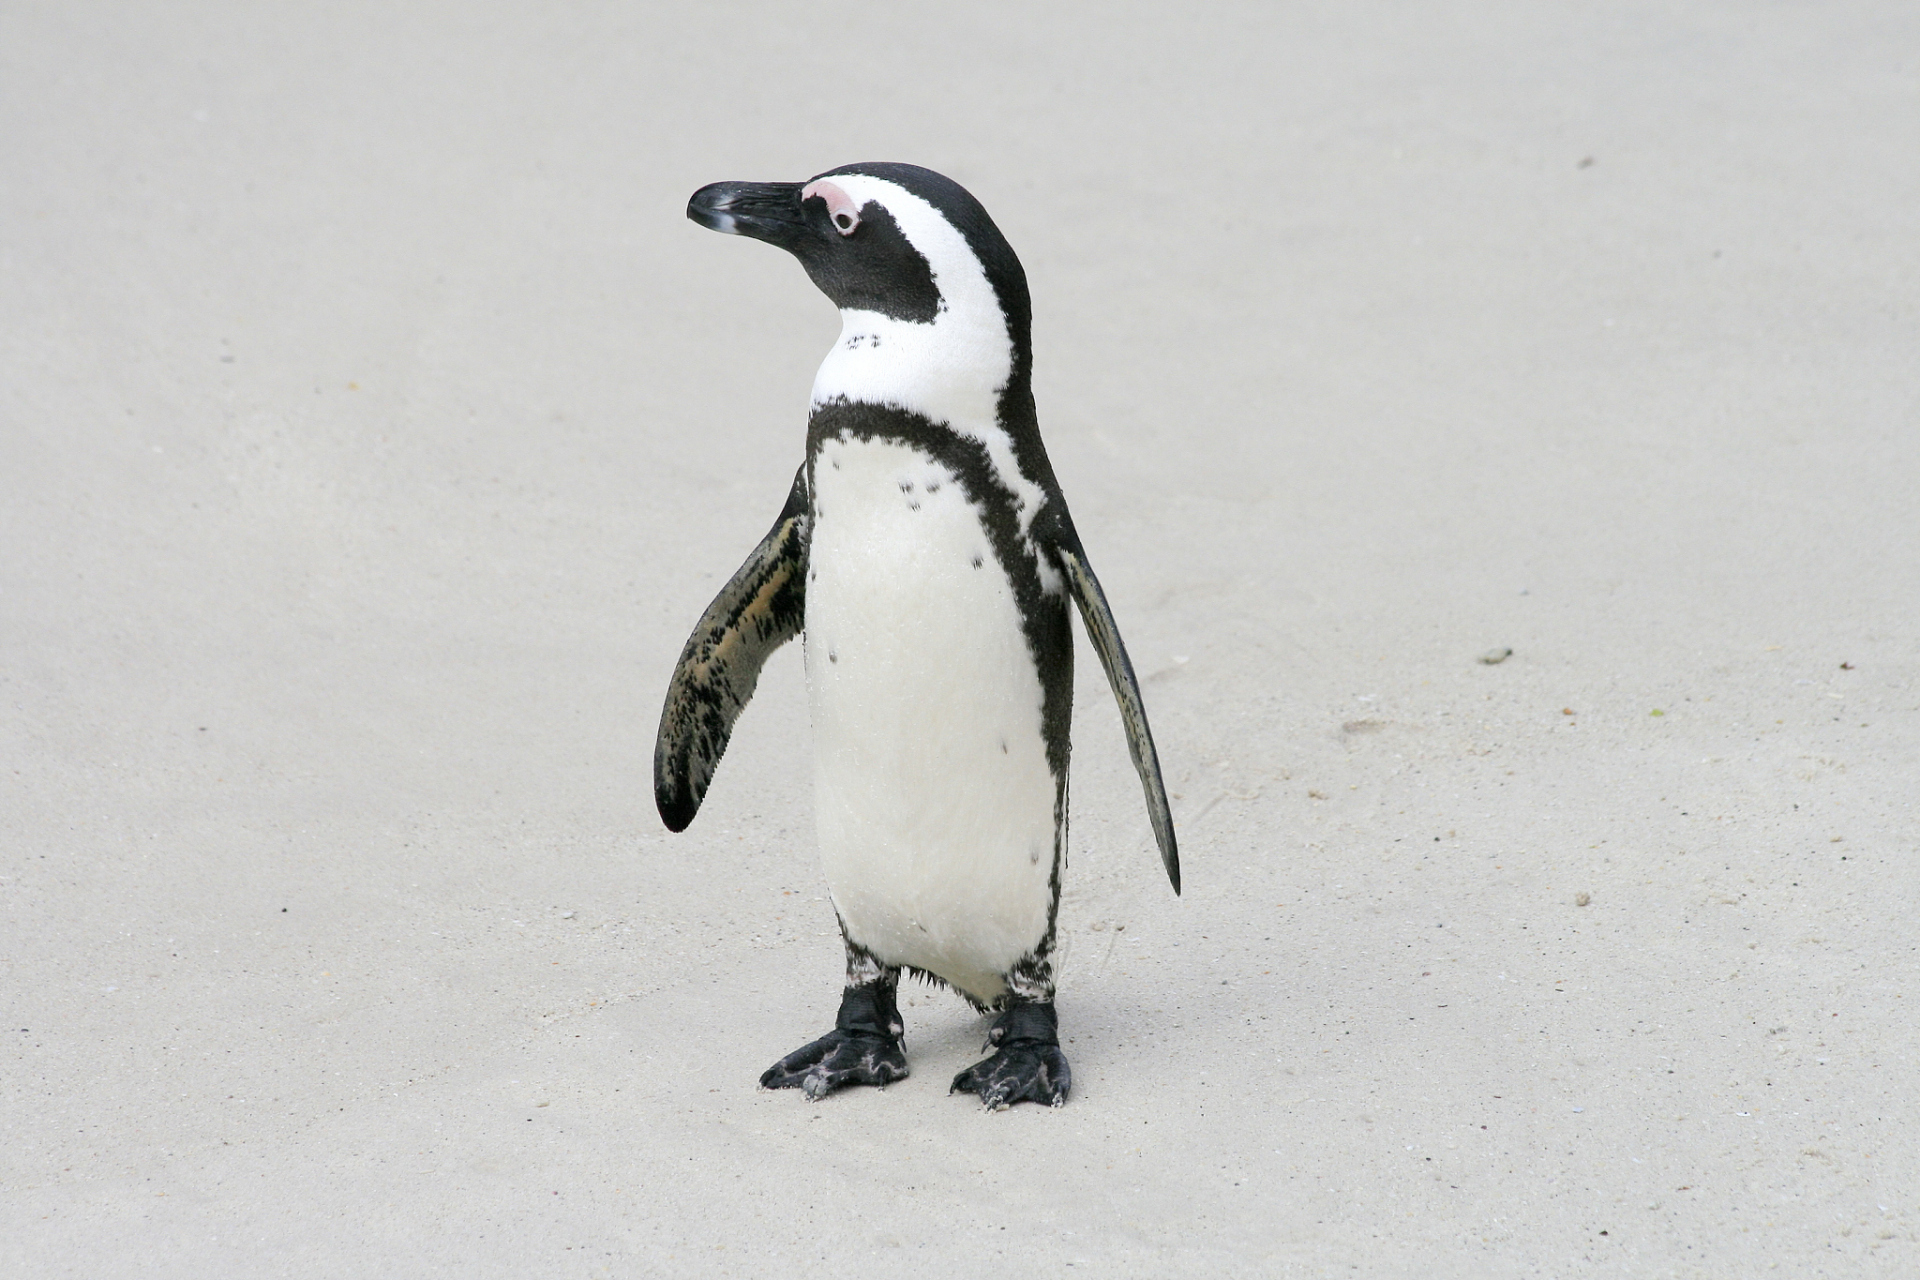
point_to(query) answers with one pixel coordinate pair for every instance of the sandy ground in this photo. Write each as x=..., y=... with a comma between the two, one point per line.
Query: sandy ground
x=373, y=427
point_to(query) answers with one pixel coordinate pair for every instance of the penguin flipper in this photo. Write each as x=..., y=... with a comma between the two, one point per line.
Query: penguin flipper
x=761, y=608
x=1105, y=635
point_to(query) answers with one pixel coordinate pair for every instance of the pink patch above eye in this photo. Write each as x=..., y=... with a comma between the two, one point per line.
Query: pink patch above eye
x=841, y=208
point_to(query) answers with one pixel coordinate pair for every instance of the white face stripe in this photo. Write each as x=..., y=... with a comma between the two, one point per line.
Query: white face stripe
x=951, y=371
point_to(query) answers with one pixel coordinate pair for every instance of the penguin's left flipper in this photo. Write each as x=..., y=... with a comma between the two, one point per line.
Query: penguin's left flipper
x=761, y=608
x=1029, y=1066
x=1097, y=614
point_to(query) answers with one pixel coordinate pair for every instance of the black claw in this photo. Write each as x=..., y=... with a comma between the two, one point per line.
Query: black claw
x=1029, y=1066
x=865, y=1048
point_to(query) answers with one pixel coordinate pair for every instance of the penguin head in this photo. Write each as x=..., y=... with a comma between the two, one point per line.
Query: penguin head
x=893, y=239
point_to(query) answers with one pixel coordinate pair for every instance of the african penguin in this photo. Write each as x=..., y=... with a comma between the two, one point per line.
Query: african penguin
x=926, y=554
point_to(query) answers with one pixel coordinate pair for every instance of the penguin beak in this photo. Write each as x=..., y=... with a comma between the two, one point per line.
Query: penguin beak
x=767, y=211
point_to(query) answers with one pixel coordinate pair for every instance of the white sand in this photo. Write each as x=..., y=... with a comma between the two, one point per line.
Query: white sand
x=373, y=427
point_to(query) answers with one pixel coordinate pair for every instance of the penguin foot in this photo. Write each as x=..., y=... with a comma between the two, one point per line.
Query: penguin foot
x=1029, y=1066
x=835, y=1060
x=864, y=1048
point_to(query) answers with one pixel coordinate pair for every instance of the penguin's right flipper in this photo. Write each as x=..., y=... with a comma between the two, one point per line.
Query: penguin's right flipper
x=1097, y=614
x=760, y=609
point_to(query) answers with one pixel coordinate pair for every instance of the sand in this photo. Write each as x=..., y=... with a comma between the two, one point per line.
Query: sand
x=373, y=427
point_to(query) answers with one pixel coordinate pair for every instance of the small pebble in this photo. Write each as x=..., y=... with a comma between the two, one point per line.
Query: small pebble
x=1582, y=898
x=1493, y=657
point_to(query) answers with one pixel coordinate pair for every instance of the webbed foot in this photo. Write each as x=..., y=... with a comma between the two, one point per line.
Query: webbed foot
x=865, y=1047
x=1029, y=1066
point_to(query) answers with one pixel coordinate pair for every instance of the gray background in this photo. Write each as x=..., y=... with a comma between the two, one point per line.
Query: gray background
x=373, y=427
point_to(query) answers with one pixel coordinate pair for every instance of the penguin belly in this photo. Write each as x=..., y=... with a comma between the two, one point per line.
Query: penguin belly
x=934, y=801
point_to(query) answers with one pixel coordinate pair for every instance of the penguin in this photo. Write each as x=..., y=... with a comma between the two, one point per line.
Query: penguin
x=926, y=556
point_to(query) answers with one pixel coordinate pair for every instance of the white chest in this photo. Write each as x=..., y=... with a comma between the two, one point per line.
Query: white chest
x=934, y=800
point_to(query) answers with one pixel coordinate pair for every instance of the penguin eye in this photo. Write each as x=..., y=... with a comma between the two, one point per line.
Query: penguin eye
x=842, y=210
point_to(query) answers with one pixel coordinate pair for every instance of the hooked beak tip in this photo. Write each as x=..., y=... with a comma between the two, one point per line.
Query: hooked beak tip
x=709, y=207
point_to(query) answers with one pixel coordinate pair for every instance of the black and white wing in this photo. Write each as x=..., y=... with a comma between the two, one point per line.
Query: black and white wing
x=760, y=609
x=1101, y=629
